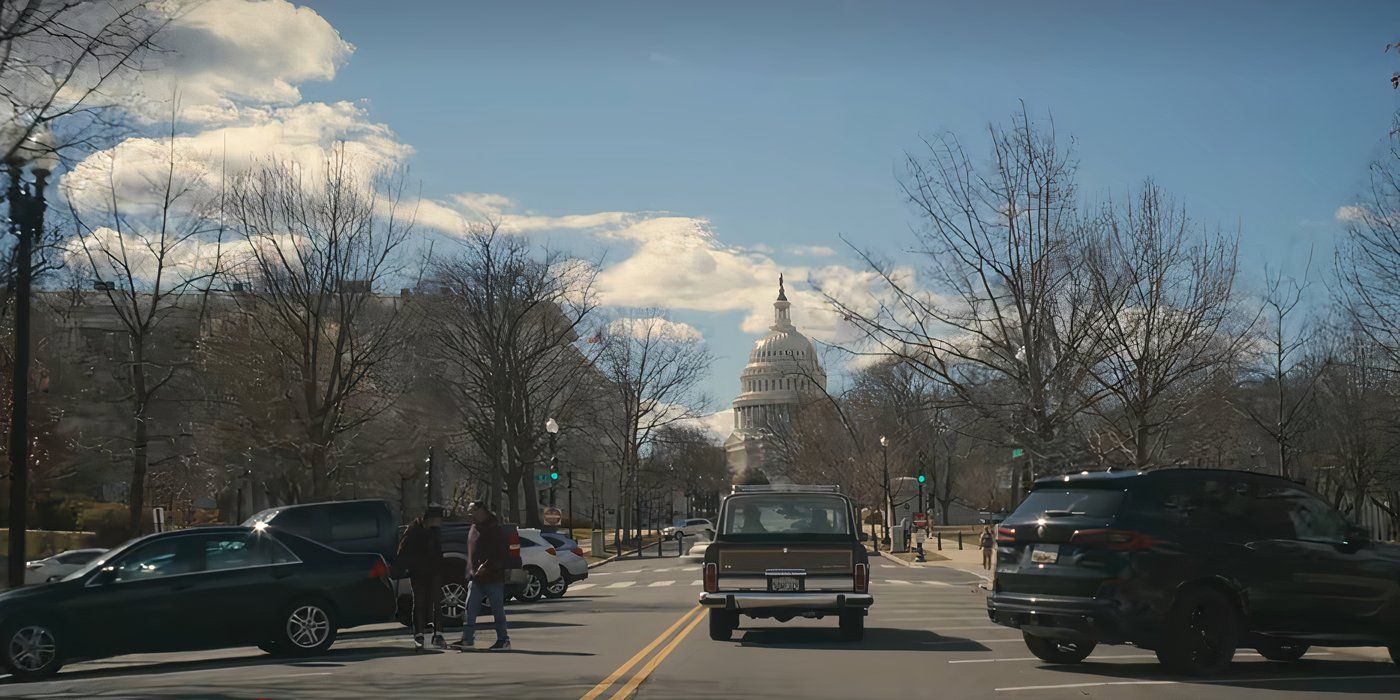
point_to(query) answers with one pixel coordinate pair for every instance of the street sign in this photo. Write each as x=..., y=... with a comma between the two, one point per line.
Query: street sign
x=552, y=516
x=921, y=520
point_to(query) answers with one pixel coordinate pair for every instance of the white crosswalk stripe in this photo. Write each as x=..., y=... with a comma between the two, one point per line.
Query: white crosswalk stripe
x=938, y=583
x=622, y=584
x=581, y=586
x=696, y=583
x=905, y=583
x=655, y=584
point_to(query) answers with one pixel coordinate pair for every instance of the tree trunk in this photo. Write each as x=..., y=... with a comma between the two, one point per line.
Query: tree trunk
x=137, y=494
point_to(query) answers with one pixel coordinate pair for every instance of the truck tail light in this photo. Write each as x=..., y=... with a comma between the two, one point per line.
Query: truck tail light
x=862, y=578
x=1120, y=540
x=711, y=578
x=1006, y=535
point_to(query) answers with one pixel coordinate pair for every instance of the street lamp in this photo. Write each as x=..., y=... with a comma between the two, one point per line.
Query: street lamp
x=552, y=427
x=32, y=148
x=885, y=488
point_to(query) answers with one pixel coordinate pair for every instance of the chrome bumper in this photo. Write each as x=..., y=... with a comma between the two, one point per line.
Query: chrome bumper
x=801, y=601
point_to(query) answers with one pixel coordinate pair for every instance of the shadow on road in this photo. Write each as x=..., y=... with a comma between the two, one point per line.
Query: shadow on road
x=876, y=639
x=1308, y=675
x=332, y=659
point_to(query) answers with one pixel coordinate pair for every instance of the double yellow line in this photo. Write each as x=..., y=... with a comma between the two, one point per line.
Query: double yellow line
x=689, y=621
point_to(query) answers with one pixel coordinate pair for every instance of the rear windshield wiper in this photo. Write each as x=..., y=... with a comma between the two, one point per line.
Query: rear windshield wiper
x=1063, y=513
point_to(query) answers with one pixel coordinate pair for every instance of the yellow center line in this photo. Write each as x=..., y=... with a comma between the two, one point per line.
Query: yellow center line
x=642, y=675
x=624, y=668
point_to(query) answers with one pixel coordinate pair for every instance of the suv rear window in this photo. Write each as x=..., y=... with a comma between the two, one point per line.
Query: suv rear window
x=786, y=514
x=1091, y=503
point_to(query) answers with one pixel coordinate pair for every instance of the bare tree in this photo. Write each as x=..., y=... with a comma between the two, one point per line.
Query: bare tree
x=653, y=375
x=1165, y=293
x=505, y=319
x=322, y=242
x=1007, y=305
x=1368, y=259
x=147, y=258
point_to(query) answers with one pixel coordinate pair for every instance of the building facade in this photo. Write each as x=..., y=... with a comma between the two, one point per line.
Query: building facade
x=783, y=372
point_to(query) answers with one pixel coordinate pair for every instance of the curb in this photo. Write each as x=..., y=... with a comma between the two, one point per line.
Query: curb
x=897, y=560
x=623, y=554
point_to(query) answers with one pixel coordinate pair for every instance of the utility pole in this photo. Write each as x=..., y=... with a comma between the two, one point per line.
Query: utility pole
x=570, y=476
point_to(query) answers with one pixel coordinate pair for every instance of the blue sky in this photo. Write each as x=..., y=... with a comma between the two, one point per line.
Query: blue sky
x=783, y=124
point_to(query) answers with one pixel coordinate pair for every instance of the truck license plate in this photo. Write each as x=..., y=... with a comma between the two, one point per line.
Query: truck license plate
x=1045, y=554
x=784, y=584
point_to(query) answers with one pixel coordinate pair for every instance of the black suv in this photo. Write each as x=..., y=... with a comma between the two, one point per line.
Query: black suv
x=1191, y=563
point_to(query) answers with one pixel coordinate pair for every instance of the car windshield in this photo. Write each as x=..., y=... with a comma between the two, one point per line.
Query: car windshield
x=1093, y=503
x=787, y=514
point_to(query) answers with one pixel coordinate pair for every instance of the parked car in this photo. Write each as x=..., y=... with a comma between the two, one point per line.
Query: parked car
x=195, y=589
x=786, y=551
x=540, y=565
x=692, y=527
x=59, y=565
x=1191, y=563
x=572, y=563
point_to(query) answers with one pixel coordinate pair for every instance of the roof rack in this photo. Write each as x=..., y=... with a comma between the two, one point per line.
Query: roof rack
x=782, y=488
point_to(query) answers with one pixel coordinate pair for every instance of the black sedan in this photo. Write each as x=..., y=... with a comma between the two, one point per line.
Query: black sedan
x=202, y=588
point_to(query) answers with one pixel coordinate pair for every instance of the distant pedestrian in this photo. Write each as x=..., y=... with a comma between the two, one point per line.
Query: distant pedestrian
x=420, y=551
x=487, y=551
x=987, y=542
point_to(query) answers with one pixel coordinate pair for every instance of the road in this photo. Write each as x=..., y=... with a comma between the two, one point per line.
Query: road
x=633, y=628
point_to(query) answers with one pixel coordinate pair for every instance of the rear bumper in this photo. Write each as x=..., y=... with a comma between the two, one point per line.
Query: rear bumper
x=1061, y=617
x=758, y=600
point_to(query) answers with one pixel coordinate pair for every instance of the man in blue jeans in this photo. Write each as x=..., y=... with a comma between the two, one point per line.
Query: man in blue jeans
x=487, y=551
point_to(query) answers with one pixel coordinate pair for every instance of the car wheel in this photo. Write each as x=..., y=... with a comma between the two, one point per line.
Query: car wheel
x=1059, y=651
x=852, y=626
x=557, y=589
x=1201, y=634
x=452, y=603
x=305, y=628
x=31, y=651
x=722, y=624
x=534, y=586
x=1279, y=650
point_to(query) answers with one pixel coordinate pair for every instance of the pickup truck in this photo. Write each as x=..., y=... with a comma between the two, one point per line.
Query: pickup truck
x=786, y=551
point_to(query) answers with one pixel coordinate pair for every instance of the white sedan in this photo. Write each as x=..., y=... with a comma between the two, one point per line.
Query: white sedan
x=58, y=565
x=691, y=527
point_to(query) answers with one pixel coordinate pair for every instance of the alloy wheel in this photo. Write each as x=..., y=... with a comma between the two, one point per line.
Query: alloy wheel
x=533, y=587
x=454, y=600
x=308, y=626
x=32, y=648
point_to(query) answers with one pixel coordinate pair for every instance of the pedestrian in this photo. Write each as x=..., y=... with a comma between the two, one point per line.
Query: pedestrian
x=487, y=551
x=420, y=551
x=987, y=542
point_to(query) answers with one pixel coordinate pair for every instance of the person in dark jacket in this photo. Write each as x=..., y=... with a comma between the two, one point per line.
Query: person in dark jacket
x=487, y=550
x=420, y=551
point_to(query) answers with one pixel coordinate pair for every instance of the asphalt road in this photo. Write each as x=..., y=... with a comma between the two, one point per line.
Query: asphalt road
x=633, y=628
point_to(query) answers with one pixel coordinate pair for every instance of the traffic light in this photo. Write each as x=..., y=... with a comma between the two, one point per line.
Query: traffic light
x=922, y=477
x=553, y=468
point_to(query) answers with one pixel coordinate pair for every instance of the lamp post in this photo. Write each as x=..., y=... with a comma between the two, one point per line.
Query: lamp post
x=885, y=488
x=552, y=427
x=25, y=201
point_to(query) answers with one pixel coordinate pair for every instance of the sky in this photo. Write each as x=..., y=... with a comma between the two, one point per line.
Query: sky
x=702, y=148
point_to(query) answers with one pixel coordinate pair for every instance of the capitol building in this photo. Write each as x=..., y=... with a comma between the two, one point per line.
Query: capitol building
x=783, y=372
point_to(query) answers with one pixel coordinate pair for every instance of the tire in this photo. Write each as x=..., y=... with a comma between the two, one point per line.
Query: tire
x=305, y=628
x=1059, y=651
x=534, y=588
x=32, y=650
x=852, y=626
x=1201, y=633
x=557, y=589
x=1281, y=650
x=722, y=624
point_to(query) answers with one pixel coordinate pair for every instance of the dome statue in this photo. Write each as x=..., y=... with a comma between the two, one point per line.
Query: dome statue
x=783, y=372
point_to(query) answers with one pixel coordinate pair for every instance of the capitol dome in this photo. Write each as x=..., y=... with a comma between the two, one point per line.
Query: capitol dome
x=782, y=373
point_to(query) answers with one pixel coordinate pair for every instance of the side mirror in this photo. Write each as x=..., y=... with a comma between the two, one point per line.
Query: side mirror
x=103, y=576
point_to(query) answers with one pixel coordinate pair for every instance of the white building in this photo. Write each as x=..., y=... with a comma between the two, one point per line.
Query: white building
x=783, y=372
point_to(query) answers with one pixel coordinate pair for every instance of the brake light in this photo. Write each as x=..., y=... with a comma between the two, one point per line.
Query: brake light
x=379, y=570
x=578, y=551
x=1006, y=534
x=1121, y=540
x=711, y=578
x=862, y=578
x=514, y=545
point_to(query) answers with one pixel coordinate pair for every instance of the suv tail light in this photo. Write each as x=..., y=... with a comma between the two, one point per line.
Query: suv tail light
x=1006, y=534
x=862, y=578
x=379, y=569
x=711, y=578
x=578, y=551
x=1121, y=540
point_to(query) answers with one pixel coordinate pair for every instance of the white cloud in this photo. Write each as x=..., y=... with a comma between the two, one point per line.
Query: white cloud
x=453, y=214
x=656, y=327
x=1349, y=213
x=814, y=251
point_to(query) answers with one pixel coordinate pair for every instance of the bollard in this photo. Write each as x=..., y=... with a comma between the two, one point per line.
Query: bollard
x=940, y=541
x=680, y=543
x=959, y=540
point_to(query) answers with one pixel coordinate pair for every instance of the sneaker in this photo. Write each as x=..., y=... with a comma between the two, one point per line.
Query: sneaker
x=418, y=641
x=466, y=645
x=439, y=642
x=500, y=645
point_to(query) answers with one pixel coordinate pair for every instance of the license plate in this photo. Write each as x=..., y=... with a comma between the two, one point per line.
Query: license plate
x=785, y=584
x=1045, y=554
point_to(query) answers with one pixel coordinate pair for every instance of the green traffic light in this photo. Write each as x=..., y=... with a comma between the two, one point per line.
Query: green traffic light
x=922, y=478
x=554, y=475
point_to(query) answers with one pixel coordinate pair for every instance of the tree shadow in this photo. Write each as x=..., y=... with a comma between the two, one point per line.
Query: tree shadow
x=876, y=639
